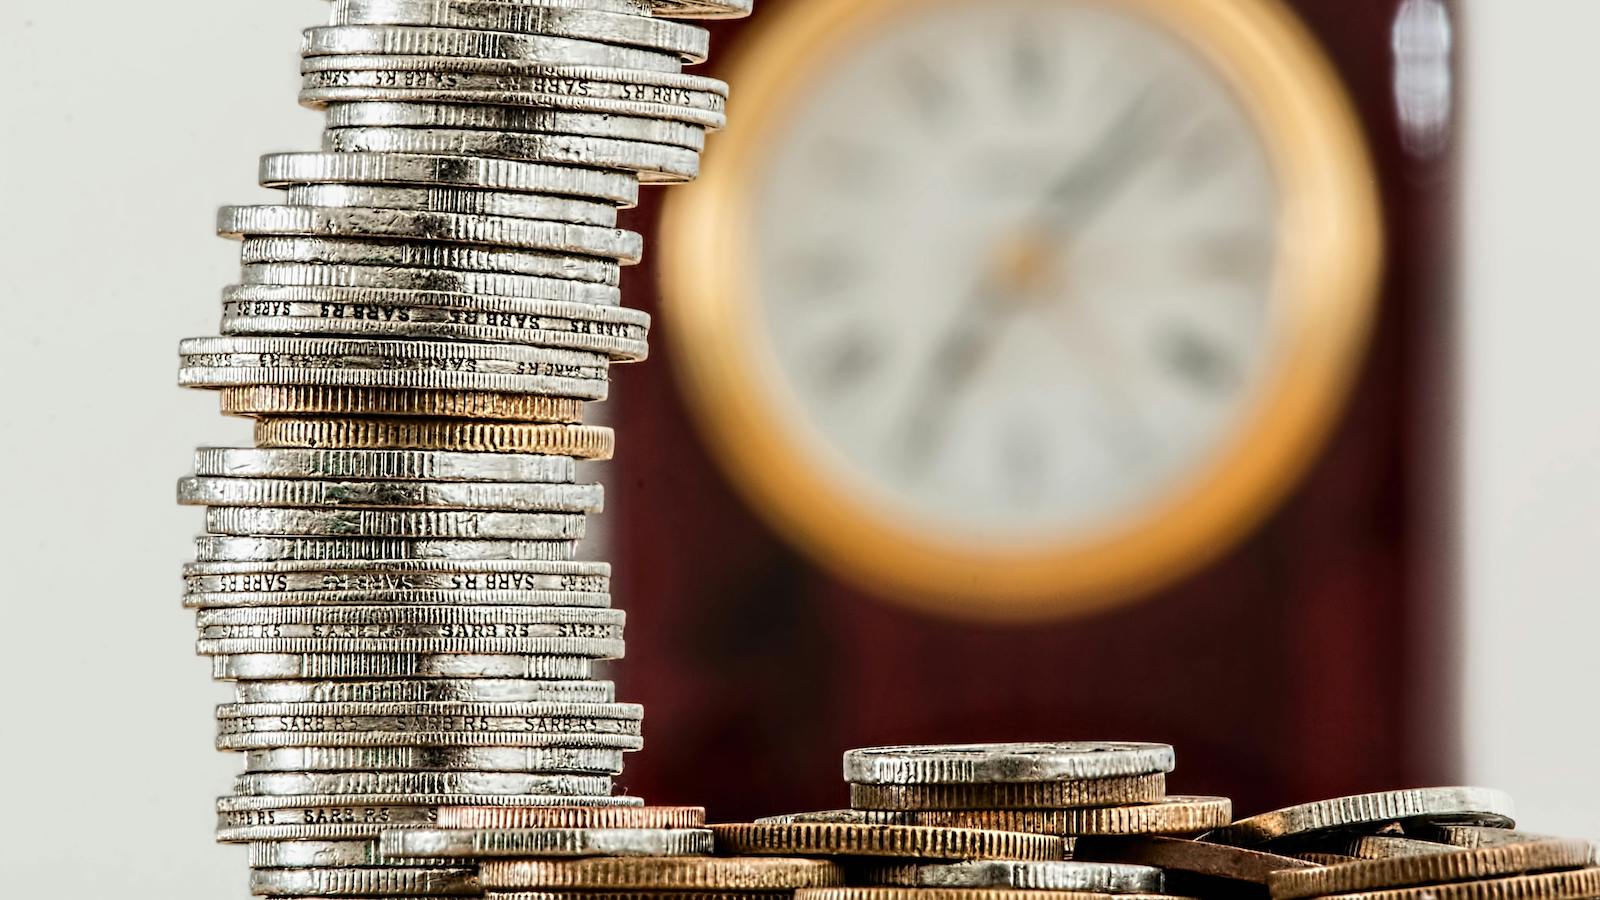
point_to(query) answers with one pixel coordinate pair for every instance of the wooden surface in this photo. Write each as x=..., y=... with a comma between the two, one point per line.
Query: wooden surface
x=1309, y=662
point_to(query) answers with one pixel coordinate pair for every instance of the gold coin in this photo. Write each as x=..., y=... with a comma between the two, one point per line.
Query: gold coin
x=1119, y=791
x=1195, y=857
x=923, y=893
x=641, y=895
x=1573, y=885
x=904, y=841
x=320, y=400
x=1434, y=868
x=661, y=873
x=1173, y=815
x=572, y=817
x=579, y=441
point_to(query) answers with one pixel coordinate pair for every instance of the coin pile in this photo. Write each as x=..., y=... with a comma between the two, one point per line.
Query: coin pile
x=949, y=823
x=389, y=575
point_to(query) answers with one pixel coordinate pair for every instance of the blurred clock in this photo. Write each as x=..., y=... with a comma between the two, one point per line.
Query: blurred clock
x=1017, y=308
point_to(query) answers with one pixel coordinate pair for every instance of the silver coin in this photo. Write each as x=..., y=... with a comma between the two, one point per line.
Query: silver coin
x=363, y=87
x=350, y=882
x=465, y=622
x=210, y=491
x=477, y=731
x=263, y=784
x=459, y=228
x=471, y=843
x=689, y=42
x=325, y=371
x=467, y=201
x=442, y=281
x=450, y=524
x=653, y=163
x=477, y=690
x=1005, y=763
x=591, y=648
x=245, y=819
x=515, y=119
x=1110, y=878
x=384, y=465
x=840, y=817
x=313, y=666
x=422, y=255
x=221, y=548
x=600, y=761
x=704, y=9
x=400, y=598
x=621, y=712
x=323, y=854
x=410, y=40
x=1422, y=806
x=285, y=169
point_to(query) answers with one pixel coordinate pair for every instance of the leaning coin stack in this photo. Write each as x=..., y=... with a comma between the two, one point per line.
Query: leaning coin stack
x=1443, y=843
x=1068, y=789
x=389, y=574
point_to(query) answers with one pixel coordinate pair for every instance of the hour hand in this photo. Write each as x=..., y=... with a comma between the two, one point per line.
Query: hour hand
x=1097, y=177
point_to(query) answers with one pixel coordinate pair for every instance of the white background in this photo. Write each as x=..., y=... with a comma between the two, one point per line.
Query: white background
x=121, y=132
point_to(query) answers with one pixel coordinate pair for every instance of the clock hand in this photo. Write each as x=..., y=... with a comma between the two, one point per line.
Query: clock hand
x=958, y=355
x=1090, y=184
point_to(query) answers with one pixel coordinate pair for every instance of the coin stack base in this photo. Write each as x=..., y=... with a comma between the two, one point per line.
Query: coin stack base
x=390, y=575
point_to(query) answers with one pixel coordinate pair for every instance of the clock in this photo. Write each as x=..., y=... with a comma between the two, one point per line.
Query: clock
x=1016, y=309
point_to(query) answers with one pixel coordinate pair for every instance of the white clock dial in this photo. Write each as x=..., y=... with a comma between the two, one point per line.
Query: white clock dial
x=1015, y=264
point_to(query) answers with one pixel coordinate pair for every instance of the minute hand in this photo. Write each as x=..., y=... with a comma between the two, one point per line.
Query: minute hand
x=1094, y=180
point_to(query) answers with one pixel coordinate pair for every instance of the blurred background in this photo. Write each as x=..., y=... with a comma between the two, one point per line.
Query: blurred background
x=1215, y=373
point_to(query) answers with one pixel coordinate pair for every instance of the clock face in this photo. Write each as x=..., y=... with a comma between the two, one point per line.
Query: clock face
x=1014, y=262
x=1012, y=308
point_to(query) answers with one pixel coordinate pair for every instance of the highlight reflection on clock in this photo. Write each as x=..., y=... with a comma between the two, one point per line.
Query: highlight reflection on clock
x=1018, y=308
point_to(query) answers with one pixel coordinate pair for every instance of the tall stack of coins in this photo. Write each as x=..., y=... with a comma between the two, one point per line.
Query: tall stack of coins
x=389, y=575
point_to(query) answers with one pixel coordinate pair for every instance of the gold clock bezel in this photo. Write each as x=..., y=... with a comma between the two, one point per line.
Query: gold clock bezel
x=1329, y=264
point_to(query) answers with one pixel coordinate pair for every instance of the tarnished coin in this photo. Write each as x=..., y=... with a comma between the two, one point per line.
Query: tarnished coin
x=663, y=874
x=1438, y=805
x=840, y=817
x=1569, y=885
x=1473, y=836
x=291, y=400
x=1175, y=855
x=462, y=843
x=352, y=882
x=991, y=763
x=1433, y=868
x=577, y=441
x=466, y=201
x=285, y=169
x=271, y=784
x=908, y=841
x=926, y=893
x=1172, y=815
x=1111, y=878
x=414, y=759
x=382, y=465
x=252, y=549
x=1115, y=791
x=467, y=690
x=500, y=817
x=704, y=9
x=278, y=666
